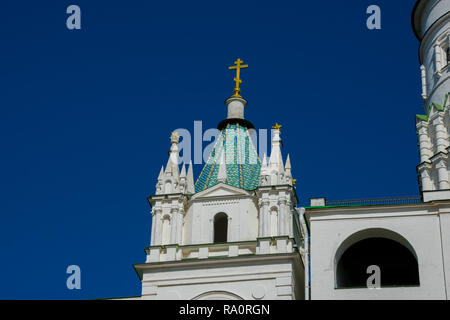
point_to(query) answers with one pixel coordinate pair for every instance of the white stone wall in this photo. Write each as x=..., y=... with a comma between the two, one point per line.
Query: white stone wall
x=444, y=219
x=243, y=280
x=276, y=211
x=167, y=218
x=239, y=206
x=420, y=225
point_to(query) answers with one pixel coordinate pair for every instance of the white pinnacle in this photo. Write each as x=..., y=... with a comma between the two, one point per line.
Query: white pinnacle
x=276, y=159
x=190, y=179
x=183, y=171
x=161, y=173
x=288, y=166
x=172, y=164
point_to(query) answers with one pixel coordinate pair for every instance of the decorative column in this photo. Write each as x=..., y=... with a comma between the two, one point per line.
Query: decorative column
x=424, y=171
x=229, y=230
x=261, y=219
x=441, y=166
x=440, y=133
x=264, y=225
x=423, y=74
x=282, y=217
x=157, y=218
x=424, y=141
x=173, y=225
x=266, y=218
x=152, y=240
x=290, y=219
x=211, y=230
x=180, y=225
x=437, y=54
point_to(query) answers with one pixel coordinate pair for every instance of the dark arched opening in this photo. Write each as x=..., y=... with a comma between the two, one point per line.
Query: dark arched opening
x=398, y=266
x=220, y=227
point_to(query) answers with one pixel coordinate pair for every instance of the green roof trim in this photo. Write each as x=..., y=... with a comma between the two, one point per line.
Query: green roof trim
x=438, y=107
x=422, y=117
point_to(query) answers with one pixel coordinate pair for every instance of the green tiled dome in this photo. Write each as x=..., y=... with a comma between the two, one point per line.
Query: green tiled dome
x=243, y=166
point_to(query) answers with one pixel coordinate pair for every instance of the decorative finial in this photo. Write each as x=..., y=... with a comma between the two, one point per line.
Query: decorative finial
x=276, y=127
x=294, y=181
x=174, y=137
x=238, y=66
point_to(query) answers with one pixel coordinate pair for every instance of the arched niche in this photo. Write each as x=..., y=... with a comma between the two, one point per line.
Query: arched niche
x=388, y=250
x=218, y=295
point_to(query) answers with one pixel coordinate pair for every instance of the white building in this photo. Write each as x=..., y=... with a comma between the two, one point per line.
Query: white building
x=237, y=233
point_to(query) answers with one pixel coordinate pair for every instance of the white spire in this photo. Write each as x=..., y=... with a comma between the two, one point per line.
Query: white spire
x=190, y=179
x=183, y=171
x=264, y=171
x=276, y=159
x=169, y=179
x=288, y=167
x=183, y=179
x=172, y=164
x=264, y=166
x=222, y=175
x=160, y=180
x=288, y=172
x=161, y=173
x=264, y=162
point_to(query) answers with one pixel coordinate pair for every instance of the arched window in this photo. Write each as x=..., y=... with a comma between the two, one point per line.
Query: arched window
x=165, y=232
x=220, y=227
x=398, y=264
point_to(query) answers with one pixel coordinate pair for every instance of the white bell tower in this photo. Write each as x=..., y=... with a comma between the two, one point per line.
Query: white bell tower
x=234, y=234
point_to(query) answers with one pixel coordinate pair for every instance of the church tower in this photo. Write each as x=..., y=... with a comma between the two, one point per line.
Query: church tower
x=431, y=24
x=234, y=234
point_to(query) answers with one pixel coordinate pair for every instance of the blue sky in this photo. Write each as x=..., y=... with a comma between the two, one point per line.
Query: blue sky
x=86, y=117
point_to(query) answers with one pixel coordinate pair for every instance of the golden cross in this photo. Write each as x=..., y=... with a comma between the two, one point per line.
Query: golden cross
x=238, y=66
x=276, y=127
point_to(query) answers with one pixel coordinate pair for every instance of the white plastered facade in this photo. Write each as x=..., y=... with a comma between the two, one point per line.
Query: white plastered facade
x=423, y=228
